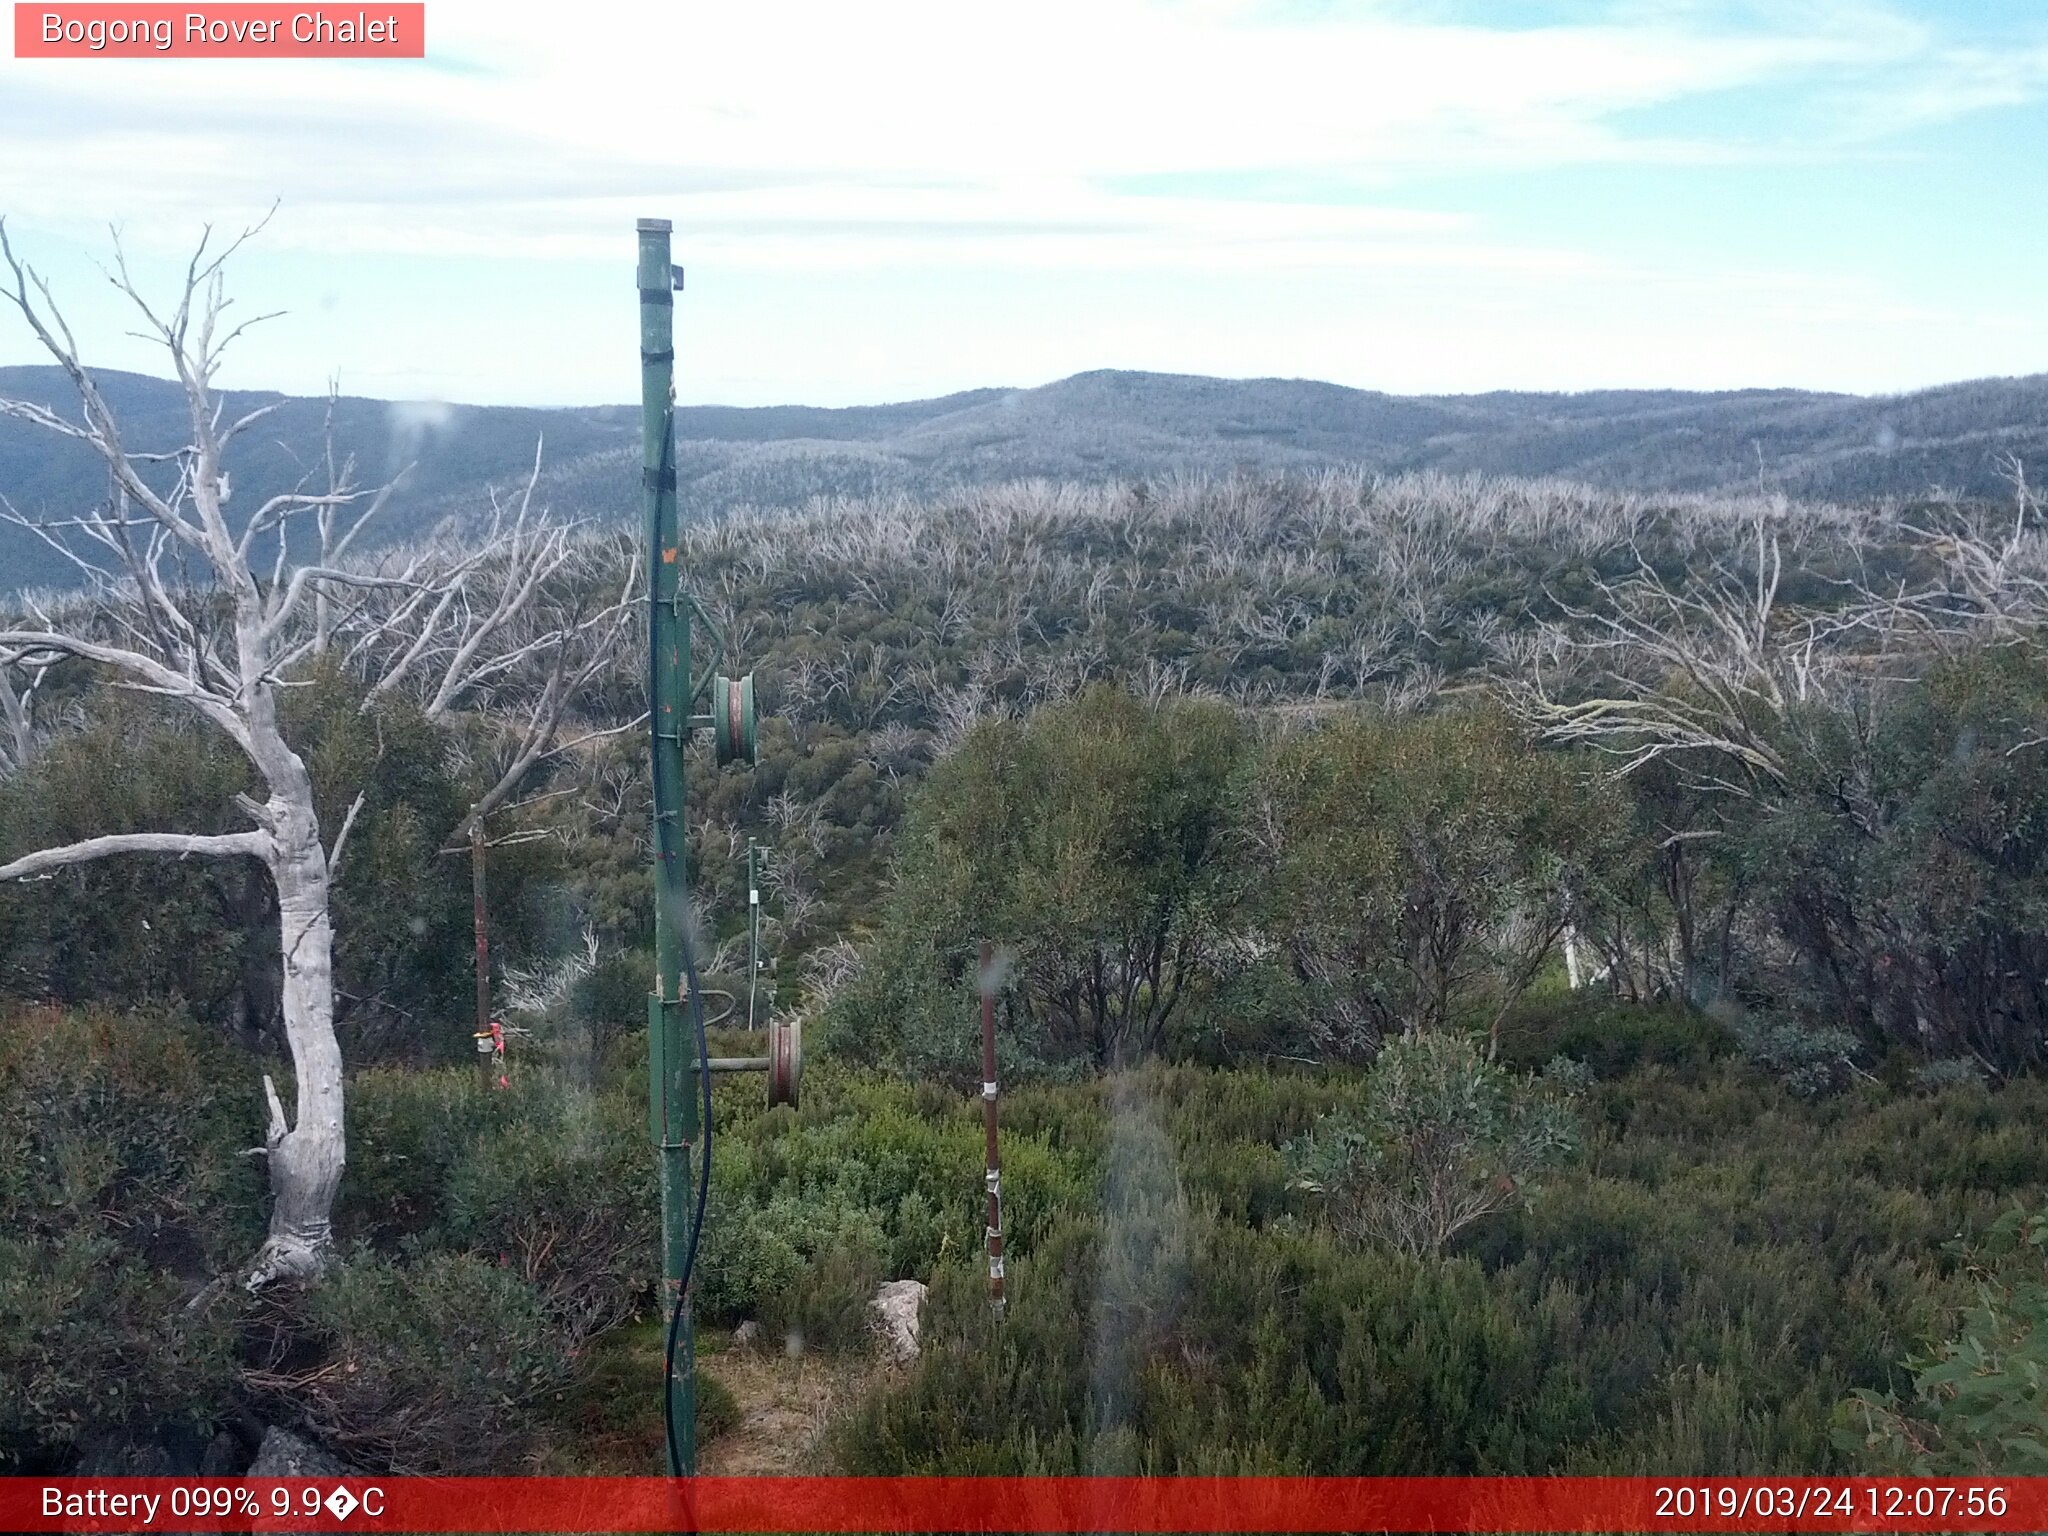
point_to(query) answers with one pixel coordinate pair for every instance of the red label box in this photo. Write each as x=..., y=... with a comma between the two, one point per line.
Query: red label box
x=377, y=29
x=390, y=1505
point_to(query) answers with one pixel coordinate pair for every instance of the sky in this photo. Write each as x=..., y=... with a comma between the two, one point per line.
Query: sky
x=899, y=199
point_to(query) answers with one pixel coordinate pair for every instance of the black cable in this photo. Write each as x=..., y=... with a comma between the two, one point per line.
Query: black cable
x=675, y=1321
x=667, y=852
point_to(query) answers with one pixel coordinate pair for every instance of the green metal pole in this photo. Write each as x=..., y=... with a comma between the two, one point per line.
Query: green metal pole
x=672, y=1084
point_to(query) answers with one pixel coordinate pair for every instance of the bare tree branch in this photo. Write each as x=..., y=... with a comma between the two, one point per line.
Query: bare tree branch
x=348, y=822
x=254, y=845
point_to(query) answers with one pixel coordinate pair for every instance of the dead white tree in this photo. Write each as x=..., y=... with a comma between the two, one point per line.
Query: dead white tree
x=337, y=524
x=18, y=735
x=520, y=629
x=1709, y=672
x=1700, y=673
x=517, y=634
x=221, y=649
x=1985, y=581
x=181, y=607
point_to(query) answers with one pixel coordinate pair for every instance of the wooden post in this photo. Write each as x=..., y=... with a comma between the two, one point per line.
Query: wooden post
x=994, y=1177
x=754, y=1019
x=484, y=1053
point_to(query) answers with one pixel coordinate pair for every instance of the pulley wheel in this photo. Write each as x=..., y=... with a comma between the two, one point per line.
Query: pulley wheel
x=785, y=1060
x=733, y=726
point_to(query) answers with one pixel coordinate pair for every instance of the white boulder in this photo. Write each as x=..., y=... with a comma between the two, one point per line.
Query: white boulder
x=898, y=1310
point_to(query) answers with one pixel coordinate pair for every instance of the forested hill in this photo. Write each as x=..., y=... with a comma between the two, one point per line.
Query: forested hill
x=1094, y=426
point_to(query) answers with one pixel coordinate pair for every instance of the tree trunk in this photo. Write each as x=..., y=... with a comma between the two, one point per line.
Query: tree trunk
x=306, y=1156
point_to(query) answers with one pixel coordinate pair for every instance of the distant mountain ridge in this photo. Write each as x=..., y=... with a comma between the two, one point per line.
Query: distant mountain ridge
x=1104, y=425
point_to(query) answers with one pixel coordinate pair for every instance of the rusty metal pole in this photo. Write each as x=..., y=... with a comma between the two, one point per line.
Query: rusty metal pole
x=484, y=1051
x=994, y=1177
x=754, y=1021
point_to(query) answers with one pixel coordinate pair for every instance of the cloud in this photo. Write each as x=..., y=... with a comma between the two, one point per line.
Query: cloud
x=1952, y=83
x=1233, y=146
x=815, y=118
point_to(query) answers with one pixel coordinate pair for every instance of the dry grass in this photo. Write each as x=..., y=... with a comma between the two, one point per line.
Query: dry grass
x=787, y=1403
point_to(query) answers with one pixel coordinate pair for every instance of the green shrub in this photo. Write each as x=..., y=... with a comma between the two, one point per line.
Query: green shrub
x=203, y=933
x=408, y=1129
x=1978, y=1404
x=1093, y=839
x=138, y=932
x=861, y=1181
x=826, y=1306
x=753, y=1255
x=434, y=1366
x=610, y=1002
x=1417, y=871
x=546, y=1176
x=1274, y=1354
x=93, y=1342
x=1694, y=1294
x=1950, y=1072
x=121, y=1195
x=1613, y=1038
x=1811, y=1061
x=1905, y=868
x=566, y=1194
x=1443, y=1138
x=129, y=1124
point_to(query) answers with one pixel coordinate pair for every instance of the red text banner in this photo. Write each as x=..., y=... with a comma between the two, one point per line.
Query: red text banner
x=220, y=31
x=1054, y=1504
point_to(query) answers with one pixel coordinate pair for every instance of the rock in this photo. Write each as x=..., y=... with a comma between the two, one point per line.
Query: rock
x=747, y=1335
x=284, y=1454
x=898, y=1309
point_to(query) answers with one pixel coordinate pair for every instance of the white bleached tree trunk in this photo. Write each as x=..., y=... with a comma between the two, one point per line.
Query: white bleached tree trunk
x=222, y=651
x=306, y=1153
x=18, y=739
x=179, y=605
